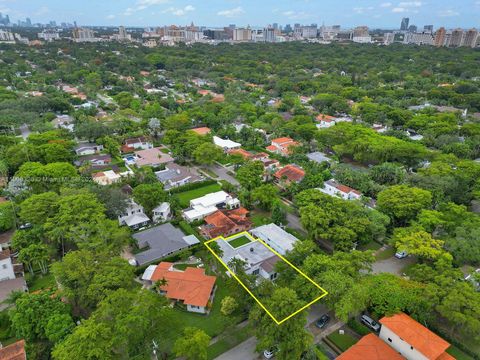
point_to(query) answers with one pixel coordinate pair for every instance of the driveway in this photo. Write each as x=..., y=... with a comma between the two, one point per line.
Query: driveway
x=243, y=351
x=221, y=172
x=392, y=265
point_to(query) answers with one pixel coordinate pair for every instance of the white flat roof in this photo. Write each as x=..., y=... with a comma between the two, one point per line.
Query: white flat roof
x=147, y=275
x=199, y=211
x=274, y=233
x=229, y=144
x=210, y=199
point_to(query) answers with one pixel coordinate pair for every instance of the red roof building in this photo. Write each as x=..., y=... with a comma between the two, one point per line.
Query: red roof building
x=411, y=339
x=290, y=173
x=370, y=347
x=191, y=286
x=202, y=130
x=225, y=223
x=282, y=146
x=15, y=351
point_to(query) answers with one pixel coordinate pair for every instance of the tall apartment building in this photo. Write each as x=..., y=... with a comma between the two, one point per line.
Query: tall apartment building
x=471, y=38
x=428, y=28
x=49, y=35
x=309, y=32
x=440, y=37
x=456, y=39
x=424, y=38
x=242, y=34
x=360, y=35
x=269, y=34
x=404, y=24
x=83, y=35
x=388, y=38
x=6, y=36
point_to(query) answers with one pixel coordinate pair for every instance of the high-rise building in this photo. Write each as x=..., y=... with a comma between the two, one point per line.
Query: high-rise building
x=427, y=28
x=404, y=24
x=388, y=38
x=440, y=37
x=269, y=34
x=456, y=38
x=471, y=37
x=309, y=32
x=6, y=36
x=49, y=35
x=242, y=34
x=423, y=38
x=28, y=22
x=288, y=29
x=83, y=35
x=361, y=35
x=412, y=28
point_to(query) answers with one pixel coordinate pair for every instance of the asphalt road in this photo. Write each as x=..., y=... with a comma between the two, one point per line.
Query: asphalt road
x=221, y=172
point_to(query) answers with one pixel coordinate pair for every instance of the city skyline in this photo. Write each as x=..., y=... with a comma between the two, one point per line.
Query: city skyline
x=375, y=14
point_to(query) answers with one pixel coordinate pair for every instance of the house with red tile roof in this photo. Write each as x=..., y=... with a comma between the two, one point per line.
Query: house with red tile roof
x=333, y=188
x=289, y=174
x=370, y=347
x=191, y=287
x=325, y=121
x=282, y=146
x=225, y=223
x=412, y=340
x=201, y=130
x=15, y=351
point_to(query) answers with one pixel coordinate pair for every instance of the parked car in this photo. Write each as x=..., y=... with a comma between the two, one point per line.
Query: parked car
x=25, y=226
x=368, y=321
x=401, y=254
x=269, y=353
x=323, y=321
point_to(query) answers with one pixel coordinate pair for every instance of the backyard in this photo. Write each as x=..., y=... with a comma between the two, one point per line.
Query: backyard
x=239, y=241
x=185, y=197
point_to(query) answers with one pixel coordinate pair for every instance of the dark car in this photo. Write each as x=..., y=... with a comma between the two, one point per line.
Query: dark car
x=322, y=322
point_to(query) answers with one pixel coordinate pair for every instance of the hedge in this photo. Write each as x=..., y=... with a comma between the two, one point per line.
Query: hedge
x=192, y=186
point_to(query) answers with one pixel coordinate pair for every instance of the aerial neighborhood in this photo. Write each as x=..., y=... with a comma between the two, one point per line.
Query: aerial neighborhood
x=290, y=201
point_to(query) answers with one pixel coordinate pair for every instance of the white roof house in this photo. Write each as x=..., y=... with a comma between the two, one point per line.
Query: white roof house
x=275, y=237
x=134, y=217
x=333, y=188
x=226, y=144
x=208, y=204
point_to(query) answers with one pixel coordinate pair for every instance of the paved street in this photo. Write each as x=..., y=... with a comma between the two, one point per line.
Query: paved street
x=243, y=351
x=221, y=172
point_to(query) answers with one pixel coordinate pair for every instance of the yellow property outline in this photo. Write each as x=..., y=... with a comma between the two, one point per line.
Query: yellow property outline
x=248, y=235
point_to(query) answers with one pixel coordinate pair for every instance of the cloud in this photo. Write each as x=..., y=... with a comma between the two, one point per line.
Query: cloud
x=296, y=15
x=362, y=10
x=111, y=16
x=399, y=10
x=142, y=5
x=232, y=12
x=179, y=11
x=385, y=4
x=407, y=4
x=42, y=11
x=448, y=13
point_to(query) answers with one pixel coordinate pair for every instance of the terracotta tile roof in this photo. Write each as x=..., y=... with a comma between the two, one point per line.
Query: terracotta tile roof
x=191, y=286
x=291, y=172
x=224, y=221
x=15, y=351
x=271, y=148
x=244, y=153
x=282, y=140
x=445, y=356
x=202, y=130
x=325, y=117
x=422, y=339
x=204, y=92
x=370, y=347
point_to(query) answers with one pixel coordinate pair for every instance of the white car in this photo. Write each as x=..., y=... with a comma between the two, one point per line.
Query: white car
x=401, y=254
x=268, y=354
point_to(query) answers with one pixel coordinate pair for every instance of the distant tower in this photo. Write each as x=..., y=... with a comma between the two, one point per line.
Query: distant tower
x=404, y=24
x=471, y=37
x=440, y=37
x=457, y=38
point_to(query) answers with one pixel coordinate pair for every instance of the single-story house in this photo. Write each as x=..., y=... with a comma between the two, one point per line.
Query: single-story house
x=64, y=122
x=333, y=188
x=134, y=216
x=225, y=223
x=87, y=149
x=141, y=142
x=226, y=144
x=161, y=213
x=151, y=157
x=161, y=241
x=275, y=237
x=325, y=121
x=176, y=175
x=208, y=204
x=289, y=174
x=191, y=287
x=107, y=177
x=201, y=130
x=259, y=260
x=95, y=159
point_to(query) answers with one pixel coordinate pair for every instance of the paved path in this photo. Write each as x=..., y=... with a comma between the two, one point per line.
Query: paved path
x=243, y=351
x=392, y=265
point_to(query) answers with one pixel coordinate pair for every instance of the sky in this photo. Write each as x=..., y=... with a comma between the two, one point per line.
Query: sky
x=347, y=13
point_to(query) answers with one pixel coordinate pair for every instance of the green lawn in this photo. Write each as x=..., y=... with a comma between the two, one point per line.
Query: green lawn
x=372, y=245
x=228, y=341
x=260, y=218
x=237, y=242
x=40, y=282
x=458, y=354
x=182, y=266
x=343, y=342
x=185, y=197
x=6, y=336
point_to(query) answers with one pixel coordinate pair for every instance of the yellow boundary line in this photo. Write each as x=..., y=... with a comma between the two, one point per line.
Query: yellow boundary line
x=245, y=233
